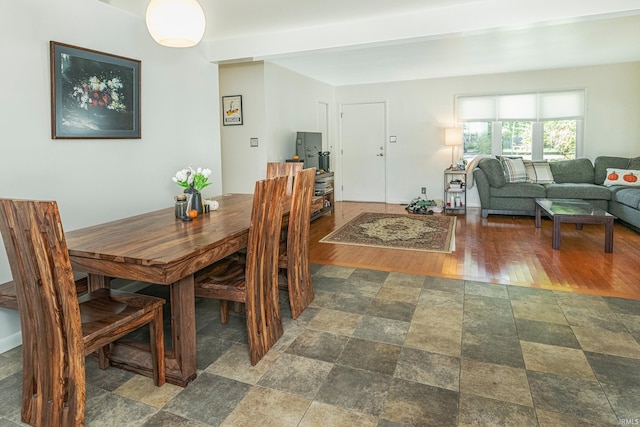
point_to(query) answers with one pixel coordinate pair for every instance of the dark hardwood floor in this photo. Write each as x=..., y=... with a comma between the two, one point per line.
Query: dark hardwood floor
x=499, y=249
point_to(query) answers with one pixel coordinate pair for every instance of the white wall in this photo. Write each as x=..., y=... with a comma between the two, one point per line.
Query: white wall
x=292, y=106
x=420, y=109
x=276, y=104
x=243, y=165
x=94, y=181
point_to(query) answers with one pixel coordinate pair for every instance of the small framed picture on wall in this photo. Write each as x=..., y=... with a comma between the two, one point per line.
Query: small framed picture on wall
x=232, y=110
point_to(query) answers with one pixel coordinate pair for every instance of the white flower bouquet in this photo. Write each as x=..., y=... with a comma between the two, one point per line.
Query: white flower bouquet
x=189, y=177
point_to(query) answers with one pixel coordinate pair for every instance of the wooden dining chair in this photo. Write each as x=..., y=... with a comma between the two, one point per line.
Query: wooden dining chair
x=294, y=260
x=253, y=280
x=288, y=169
x=58, y=328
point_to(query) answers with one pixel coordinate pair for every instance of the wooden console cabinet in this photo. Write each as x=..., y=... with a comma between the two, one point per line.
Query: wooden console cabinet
x=324, y=190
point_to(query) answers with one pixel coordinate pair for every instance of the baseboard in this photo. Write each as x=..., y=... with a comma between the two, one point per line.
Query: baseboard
x=10, y=341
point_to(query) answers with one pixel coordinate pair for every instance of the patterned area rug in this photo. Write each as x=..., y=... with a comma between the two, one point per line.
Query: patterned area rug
x=433, y=233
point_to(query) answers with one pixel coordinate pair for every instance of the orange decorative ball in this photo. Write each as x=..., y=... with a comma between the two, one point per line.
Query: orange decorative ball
x=192, y=213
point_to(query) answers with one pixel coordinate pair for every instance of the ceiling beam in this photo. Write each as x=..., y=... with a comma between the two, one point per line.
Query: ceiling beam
x=459, y=19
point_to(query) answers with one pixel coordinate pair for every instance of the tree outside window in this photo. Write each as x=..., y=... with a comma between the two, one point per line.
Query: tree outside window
x=559, y=139
x=516, y=139
x=477, y=138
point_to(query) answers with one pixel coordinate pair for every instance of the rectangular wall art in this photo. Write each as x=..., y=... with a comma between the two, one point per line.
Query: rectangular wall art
x=232, y=110
x=93, y=94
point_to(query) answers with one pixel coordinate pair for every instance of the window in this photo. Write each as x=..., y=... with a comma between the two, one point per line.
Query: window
x=477, y=138
x=559, y=139
x=516, y=139
x=543, y=125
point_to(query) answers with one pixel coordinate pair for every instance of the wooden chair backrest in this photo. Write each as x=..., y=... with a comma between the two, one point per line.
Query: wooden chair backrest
x=300, y=214
x=298, y=273
x=261, y=272
x=288, y=169
x=49, y=312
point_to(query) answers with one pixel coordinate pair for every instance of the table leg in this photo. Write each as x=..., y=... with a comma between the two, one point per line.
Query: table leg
x=608, y=236
x=183, y=326
x=97, y=281
x=538, y=214
x=180, y=362
x=556, y=232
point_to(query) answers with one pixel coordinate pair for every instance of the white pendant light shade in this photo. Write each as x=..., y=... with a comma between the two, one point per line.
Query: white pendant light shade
x=176, y=23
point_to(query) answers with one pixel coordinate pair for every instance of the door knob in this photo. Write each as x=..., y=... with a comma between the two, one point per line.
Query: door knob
x=379, y=155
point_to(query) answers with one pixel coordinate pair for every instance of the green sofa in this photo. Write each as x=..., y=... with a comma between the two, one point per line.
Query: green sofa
x=573, y=179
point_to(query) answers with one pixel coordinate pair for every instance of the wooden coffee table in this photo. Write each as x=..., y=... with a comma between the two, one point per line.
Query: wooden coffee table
x=575, y=211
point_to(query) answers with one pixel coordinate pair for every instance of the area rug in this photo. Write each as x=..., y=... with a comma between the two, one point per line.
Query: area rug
x=433, y=233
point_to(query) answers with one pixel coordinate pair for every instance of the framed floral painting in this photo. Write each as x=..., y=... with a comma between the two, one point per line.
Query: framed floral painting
x=93, y=94
x=232, y=110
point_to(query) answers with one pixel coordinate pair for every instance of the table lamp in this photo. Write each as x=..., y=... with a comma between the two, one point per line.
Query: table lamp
x=452, y=138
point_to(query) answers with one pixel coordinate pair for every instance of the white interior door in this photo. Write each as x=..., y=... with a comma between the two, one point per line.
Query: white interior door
x=363, y=152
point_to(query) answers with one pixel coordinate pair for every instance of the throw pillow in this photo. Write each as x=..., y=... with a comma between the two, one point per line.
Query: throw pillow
x=514, y=170
x=538, y=172
x=622, y=177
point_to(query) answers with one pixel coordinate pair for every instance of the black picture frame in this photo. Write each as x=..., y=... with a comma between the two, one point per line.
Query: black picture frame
x=232, y=110
x=94, y=95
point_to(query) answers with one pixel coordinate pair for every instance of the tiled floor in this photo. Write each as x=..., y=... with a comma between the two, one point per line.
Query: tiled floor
x=389, y=349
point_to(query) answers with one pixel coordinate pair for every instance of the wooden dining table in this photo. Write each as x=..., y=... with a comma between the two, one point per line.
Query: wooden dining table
x=158, y=248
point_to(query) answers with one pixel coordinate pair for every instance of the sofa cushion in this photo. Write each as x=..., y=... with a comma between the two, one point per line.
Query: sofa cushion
x=602, y=163
x=577, y=191
x=524, y=189
x=494, y=171
x=626, y=177
x=538, y=172
x=514, y=170
x=627, y=196
x=574, y=171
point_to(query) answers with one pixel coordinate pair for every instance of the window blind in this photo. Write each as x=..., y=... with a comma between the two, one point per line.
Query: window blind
x=476, y=108
x=524, y=106
x=562, y=105
x=517, y=107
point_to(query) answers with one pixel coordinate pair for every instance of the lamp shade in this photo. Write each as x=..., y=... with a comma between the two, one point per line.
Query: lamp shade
x=453, y=136
x=175, y=23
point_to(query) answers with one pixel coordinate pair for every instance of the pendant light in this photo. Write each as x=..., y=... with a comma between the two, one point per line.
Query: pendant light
x=175, y=23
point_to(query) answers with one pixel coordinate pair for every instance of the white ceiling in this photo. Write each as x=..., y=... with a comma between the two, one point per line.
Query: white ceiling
x=344, y=42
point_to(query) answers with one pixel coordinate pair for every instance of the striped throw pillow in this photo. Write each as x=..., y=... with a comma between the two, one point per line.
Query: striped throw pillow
x=538, y=172
x=514, y=170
